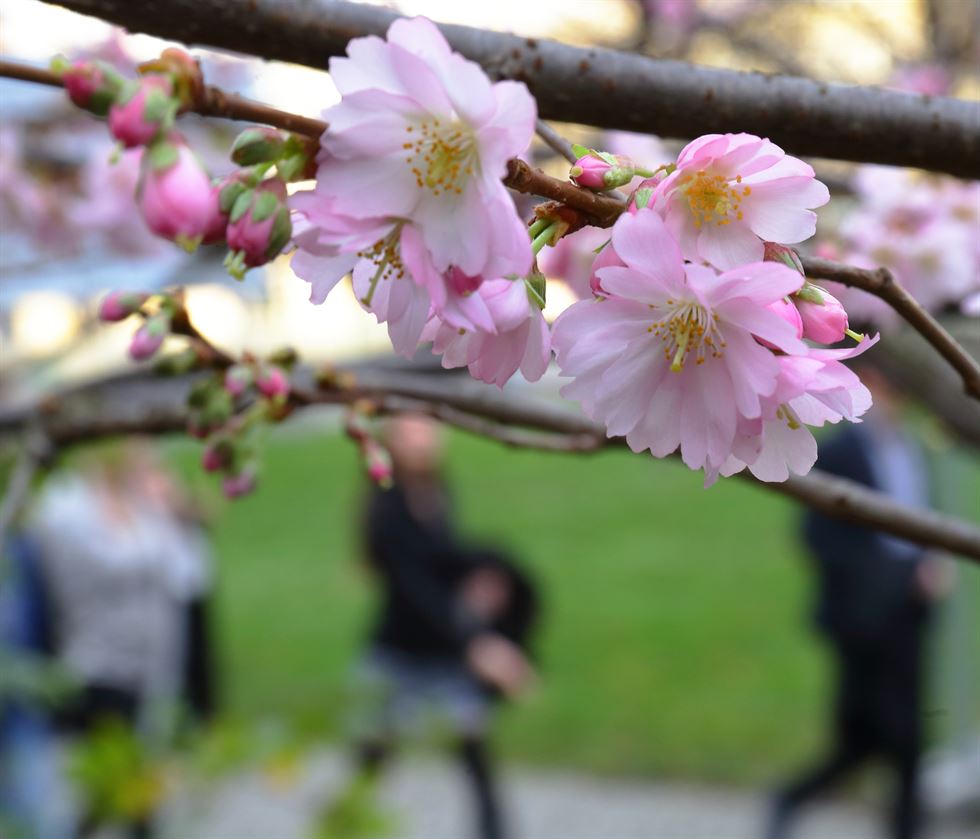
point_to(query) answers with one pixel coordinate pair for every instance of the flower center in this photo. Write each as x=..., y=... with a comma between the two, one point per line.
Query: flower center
x=441, y=155
x=385, y=254
x=462, y=284
x=688, y=329
x=713, y=198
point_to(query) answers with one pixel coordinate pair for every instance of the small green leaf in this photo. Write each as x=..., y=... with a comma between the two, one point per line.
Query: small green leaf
x=282, y=230
x=580, y=151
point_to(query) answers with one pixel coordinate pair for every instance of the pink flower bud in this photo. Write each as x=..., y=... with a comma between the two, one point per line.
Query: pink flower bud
x=824, y=318
x=462, y=283
x=238, y=379
x=787, y=311
x=259, y=224
x=258, y=145
x=145, y=109
x=175, y=194
x=217, y=456
x=378, y=463
x=183, y=71
x=243, y=483
x=775, y=252
x=119, y=305
x=272, y=382
x=92, y=85
x=605, y=172
x=149, y=337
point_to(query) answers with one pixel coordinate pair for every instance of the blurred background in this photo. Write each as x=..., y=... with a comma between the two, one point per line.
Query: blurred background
x=678, y=676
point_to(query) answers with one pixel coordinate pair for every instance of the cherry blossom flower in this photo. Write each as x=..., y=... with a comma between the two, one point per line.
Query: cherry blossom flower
x=923, y=228
x=812, y=390
x=571, y=259
x=521, y=341
x=731, y=192
x=414, y=154
x=671, y=358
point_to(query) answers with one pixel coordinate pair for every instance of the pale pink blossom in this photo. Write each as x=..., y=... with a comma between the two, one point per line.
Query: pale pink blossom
x=414, y=154
x=521, y=341
x=812, y=389
x=671, y=358
x=921, y=227
x=730, y=193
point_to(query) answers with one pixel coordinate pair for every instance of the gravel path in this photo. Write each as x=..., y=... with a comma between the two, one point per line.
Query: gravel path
x=431, y=802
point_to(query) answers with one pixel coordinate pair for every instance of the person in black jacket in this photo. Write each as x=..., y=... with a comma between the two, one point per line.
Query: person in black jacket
x=448, y=636
x=873, y=602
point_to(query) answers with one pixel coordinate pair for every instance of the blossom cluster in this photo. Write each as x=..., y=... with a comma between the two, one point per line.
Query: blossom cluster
x=696, y=331
x=177, y=198
x=691, y=333
x=922, y=227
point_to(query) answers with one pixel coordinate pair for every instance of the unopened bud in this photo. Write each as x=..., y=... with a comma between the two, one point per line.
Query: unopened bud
x=119, y=305
x=601, y=171
x=217, y=455
x=242, y=483
x=823, y=316
x=149, y=337
x=238, y=379
x=175, y=194
x=259, y=226
x=378, y=463
x=144, y=110
x=92, y=85
x=258, y=145
x=183, y=71
x=272, y=382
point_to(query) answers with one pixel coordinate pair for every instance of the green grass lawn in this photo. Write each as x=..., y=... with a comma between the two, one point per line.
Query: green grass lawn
x=674, y=638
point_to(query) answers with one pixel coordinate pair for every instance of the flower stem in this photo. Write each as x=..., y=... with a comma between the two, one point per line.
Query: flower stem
x=537, y=226
x=543, y=238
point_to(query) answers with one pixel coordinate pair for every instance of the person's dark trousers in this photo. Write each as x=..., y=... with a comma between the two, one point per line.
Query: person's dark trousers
x=475, y=758
x=878, y=714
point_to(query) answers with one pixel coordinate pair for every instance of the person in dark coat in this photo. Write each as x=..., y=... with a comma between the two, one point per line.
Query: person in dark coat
x=874, y=598
x=453, y=622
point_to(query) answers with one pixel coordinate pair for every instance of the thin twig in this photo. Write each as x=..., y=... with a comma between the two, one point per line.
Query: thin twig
x=882, y=283
x=148, y=405
x=553, y=139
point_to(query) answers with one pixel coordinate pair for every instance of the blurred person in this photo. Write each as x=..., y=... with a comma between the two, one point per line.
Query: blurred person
x=33, y=801
x=450, y=633
x=121, y=568
x=875, y=594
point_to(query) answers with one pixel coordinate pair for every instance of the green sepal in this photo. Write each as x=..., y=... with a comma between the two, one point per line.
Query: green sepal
x=162, y=155
x=241, y=205
x=811, y=293
x=228, y=195
x=536, y=286
x=289, y=168
x=257, y=145
x=158, y=325
x=159, y=107
x=285, y=357
x=641, y=198
x=127, y=91
x=265, y=205
x=282, y=231
x=580, y=151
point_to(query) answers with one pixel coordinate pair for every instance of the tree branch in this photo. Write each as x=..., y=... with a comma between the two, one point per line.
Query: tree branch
x=601, y=87
x=882, y=283
x=141, y=404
